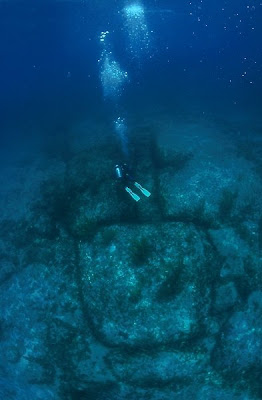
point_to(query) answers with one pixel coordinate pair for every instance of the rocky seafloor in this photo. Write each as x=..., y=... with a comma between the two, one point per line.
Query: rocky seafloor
x=103, y=298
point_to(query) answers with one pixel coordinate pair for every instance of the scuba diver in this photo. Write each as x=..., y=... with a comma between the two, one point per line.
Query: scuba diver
x=123, y=176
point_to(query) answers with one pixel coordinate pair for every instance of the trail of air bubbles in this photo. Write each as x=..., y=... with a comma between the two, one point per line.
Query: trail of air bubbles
x=112, y=76
x=136, y=29
x=121, y=131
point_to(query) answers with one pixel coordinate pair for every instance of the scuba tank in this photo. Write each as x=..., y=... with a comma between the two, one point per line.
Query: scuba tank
x=119, y=172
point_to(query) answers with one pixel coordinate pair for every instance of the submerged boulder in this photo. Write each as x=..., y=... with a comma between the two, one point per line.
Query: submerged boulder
x=212, y=187
x=239, y=350
x=232, y=249
x=146, y=286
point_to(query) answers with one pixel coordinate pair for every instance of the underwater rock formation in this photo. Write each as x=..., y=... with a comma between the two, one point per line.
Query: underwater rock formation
x=103, y=298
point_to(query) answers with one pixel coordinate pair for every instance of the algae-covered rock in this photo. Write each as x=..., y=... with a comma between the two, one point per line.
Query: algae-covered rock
x=126, y=299
x=38, y=314
x=215, y=185
x=239, y=257
x=208, y=192
x=161, y=368
x=240, y=348
x=226, y=297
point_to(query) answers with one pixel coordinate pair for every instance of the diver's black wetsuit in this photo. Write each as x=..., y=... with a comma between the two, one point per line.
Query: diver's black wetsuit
x=123, y=174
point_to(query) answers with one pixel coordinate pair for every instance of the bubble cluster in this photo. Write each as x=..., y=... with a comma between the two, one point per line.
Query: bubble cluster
x=121, y=131
x=111, y=74
x=103, y=36
x=134, y=10
x=136, y=29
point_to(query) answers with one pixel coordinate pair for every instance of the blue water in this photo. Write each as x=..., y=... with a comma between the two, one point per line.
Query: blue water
x=49, y=71
x=108, y=294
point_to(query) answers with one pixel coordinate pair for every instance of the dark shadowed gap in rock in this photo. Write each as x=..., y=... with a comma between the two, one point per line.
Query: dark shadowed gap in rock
x=95, y=391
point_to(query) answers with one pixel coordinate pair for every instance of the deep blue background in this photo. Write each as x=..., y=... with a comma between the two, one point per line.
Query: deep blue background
x=50, y=75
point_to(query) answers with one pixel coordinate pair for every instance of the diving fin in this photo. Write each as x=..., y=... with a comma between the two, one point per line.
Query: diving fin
x=132, y=194
x=143, y=190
